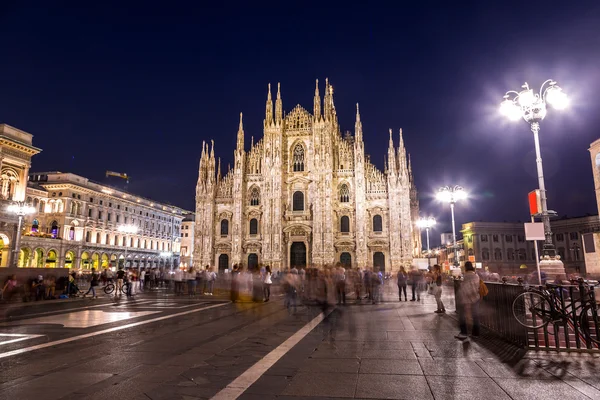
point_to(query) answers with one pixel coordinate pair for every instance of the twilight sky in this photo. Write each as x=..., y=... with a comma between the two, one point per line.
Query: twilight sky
x=137, y=88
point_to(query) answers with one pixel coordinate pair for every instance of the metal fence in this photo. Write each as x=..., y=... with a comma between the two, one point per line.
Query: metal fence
x=496, y=314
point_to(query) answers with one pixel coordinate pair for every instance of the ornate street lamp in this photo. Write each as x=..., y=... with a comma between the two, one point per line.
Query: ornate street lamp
x=21, y=209
x=427, y=223
x=128, y=230
x=452, y=194
x=532, y=108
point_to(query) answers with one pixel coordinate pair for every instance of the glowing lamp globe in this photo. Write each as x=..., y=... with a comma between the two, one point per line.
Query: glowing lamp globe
x=526, y=98
x=557, y=98
x=509, y=109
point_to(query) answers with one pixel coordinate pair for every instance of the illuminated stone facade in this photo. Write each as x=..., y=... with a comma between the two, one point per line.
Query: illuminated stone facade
x=304, y=195
x=16, y=150
x=77, y=226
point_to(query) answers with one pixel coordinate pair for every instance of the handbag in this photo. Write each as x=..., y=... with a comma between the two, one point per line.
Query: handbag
x=483, y=289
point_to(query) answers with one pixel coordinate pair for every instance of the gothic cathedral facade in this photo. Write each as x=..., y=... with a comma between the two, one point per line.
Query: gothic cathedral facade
x=304, y=195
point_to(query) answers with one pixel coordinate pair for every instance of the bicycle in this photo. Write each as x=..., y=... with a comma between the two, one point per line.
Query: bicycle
x=109, y=288
x=536, y=308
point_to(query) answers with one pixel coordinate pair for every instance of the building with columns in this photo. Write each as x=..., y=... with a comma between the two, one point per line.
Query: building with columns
x=187, y=241
x=591, y=239
x=304, y=195
x=77, y=226
x=16, y=150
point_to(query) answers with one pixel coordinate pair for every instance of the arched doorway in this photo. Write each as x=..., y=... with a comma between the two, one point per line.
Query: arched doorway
x=69, y=257
x=346, y=260
x=252, y=261
x=85, y=260
x=51, y=259
x=223, y=262
x=24, y=255
x=378, y=261
x=298, y=255
x=38, y=258
x=104, y=260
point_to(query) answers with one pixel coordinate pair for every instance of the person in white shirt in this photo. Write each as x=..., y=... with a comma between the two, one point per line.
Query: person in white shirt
x=178, y=278
x=142, y=279
x=267, y=283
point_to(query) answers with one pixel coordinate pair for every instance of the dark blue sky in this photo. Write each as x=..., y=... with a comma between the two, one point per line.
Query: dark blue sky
x=137, y=88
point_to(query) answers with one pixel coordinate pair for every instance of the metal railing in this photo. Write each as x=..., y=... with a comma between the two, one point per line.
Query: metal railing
x=496, y=314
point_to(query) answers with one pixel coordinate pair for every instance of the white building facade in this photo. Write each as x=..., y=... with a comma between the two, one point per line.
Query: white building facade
x=304, y=195
x=77, y=226
x=187, y=241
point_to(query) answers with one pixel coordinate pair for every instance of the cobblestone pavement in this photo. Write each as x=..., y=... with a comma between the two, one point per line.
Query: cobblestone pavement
x=162, y=347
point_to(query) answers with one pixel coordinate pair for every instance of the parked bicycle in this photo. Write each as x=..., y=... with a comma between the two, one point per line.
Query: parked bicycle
x=110, y=287
x=537, y=307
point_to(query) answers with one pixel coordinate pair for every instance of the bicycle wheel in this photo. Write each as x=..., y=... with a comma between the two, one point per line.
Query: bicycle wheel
x=532, y=310
x=125, y=287
x=109, y=288
x=589, y=323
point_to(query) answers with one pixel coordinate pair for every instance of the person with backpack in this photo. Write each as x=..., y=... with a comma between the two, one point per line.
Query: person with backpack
x=468, y=300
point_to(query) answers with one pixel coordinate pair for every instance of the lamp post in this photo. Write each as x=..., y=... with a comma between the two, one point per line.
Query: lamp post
x=532, y=108
x=21, y=209
x=451, y=194
x=128, y=230
x=427, y=223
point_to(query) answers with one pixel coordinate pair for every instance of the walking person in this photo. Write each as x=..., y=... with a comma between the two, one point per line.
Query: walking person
x=142, y=279
x=437, y=288
x=93, y=283
x=416, y=283
x=191, y=282
x=267, y=283
x=402, y=277
x=120, y=278
x=235, y=284
x=340, y=284
x=210, y=277
x=468, y=302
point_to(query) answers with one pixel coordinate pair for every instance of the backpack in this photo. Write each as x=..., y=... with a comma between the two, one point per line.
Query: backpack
x=483, y=290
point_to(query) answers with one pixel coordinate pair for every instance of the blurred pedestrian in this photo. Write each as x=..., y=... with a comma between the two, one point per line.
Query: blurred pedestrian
x=401, y=278
x=468, y=302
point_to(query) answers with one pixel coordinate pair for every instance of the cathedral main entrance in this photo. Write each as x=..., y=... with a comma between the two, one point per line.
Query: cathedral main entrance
x=378, y=261
x=252, y=261
x=298, y=255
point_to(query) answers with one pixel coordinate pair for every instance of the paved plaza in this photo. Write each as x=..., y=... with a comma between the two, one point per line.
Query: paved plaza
x=164, y=347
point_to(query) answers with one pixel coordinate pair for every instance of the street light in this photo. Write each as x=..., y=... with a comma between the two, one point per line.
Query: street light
x=21, y=209
x=451, y=194
x=532, y=108
x=128, y=230
x=427, y=223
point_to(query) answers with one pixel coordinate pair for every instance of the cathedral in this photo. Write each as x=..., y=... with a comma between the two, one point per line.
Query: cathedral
x=306, y=195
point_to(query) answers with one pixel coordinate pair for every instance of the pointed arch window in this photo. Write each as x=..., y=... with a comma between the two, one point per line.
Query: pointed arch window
x=344, y=194
x=345, y=224
x=377, y=223
x=298, y=158
x=298, y=201
x=224, y=227
x=254, y=197
x=254, y=226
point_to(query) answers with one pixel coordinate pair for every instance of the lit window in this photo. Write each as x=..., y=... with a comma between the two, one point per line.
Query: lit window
x=298, y=158
x=344, y=194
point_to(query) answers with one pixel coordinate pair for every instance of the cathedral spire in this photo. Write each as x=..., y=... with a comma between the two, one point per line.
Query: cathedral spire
x=251, y=142
x=317, y=102
x=278, y=106
x=410, y=174
x=358, y=135
x=212, y=149
x=202, y=154
x=240, y=135
x=219, y=170
x=402, y=165
x=391, y=156
x=326, y=101
x=269, y=109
